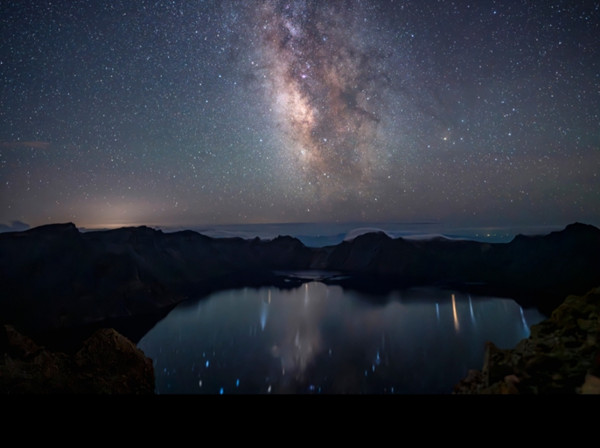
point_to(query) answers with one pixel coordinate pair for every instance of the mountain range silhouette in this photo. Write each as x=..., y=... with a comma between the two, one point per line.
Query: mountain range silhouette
x=55, y=278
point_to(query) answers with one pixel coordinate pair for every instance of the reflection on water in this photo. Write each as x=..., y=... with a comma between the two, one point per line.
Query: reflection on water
x=323, y=339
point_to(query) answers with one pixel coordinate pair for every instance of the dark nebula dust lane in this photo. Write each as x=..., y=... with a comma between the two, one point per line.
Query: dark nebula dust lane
x=328, y=87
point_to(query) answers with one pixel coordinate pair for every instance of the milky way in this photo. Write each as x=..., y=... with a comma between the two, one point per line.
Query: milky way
x=198, y=112
x=328, y=89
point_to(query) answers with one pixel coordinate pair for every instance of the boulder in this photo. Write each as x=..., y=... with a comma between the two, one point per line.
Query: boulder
x=107, y=363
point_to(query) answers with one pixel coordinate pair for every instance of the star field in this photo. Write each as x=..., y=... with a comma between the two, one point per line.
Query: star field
x=202, y=112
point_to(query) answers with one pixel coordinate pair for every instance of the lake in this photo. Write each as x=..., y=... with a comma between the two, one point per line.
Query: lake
x=324, y=339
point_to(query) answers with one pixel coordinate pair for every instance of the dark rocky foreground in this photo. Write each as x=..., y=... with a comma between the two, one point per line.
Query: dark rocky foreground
x=59, y=285
x=561, y=355
x=106, y=363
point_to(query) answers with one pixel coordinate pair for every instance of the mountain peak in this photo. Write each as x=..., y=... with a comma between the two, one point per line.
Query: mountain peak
x=577, y=230
x=578, y=226
x=55, y=228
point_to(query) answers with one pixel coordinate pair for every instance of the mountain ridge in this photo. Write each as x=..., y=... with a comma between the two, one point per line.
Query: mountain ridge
x=56, y=277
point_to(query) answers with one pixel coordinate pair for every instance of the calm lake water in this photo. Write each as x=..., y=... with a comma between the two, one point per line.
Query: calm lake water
x=324, y=339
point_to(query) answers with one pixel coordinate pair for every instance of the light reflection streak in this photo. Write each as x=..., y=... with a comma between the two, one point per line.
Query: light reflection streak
x=263, y=316
x=523, y=320
x=264, y=311
x=472, y=312
x=455, y=314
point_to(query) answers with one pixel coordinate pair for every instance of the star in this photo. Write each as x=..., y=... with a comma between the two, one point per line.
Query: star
x=187, y=113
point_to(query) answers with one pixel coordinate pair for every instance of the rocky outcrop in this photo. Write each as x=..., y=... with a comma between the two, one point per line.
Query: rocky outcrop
x=106, y=363
x=561, y=355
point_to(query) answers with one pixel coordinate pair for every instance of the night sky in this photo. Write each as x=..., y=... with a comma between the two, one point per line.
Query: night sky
x=179, y=113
